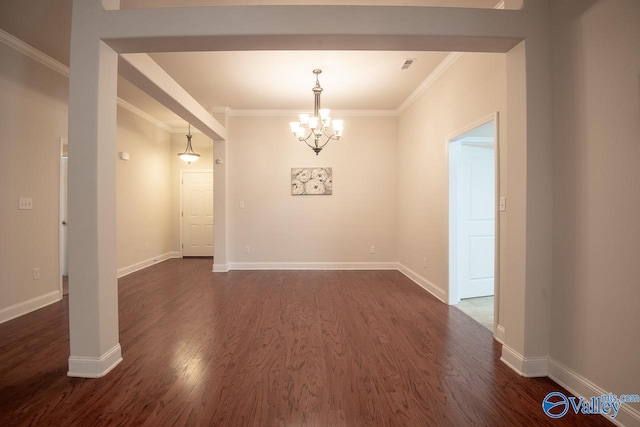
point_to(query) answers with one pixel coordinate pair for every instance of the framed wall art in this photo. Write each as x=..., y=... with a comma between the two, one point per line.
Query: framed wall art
x=311, y=181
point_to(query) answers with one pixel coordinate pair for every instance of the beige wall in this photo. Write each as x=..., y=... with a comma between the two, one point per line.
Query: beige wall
x=33, y=116
x=596, y=287
x=472, y=89
x=143, y=190
x=338, y=228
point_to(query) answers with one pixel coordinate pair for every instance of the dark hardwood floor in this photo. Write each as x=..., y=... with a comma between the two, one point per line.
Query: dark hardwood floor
x=272, y=348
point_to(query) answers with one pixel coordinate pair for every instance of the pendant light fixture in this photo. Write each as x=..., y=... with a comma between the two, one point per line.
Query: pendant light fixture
x=319, y=128
x=189, y=155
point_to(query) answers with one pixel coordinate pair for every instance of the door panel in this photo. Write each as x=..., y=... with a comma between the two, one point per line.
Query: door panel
x=477, y=220
x=197, y=213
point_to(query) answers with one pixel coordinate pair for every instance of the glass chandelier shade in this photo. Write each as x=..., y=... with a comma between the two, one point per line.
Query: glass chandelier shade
x=189, y=155
x=318, y=129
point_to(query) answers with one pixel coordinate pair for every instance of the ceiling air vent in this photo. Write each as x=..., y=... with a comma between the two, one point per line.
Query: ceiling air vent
x=408, y=63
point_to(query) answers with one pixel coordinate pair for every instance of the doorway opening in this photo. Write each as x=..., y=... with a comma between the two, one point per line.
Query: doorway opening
x=473, y=221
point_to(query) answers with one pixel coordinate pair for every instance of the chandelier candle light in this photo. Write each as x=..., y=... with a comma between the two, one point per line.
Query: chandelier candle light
x=189, y=155
x=319, y=127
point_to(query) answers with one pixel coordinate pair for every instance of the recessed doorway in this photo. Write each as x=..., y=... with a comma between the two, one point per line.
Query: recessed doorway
x=472, y=221
x=197, y=213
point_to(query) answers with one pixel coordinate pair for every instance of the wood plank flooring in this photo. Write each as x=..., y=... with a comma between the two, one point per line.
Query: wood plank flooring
x=272, y=348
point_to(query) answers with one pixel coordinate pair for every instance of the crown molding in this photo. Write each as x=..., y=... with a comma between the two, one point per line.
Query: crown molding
x=59, y=67
x=365, y=113
x=221, y=110
x=135, y=110
x=451, y=59
x=294, y=113
x=33, y=53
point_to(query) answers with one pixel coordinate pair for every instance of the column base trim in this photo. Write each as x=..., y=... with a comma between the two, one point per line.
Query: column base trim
x=528, y=367
x=95, y=367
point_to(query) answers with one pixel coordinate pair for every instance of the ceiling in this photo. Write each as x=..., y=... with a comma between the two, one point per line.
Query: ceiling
x=282, y=80
x=249, y=80
x=142, y=4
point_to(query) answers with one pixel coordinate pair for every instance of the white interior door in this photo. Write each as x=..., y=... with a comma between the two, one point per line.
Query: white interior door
x=197, y=213
x=476, y=204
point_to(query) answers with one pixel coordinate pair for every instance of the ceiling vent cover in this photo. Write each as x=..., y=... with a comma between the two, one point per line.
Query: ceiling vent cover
x=408, y=63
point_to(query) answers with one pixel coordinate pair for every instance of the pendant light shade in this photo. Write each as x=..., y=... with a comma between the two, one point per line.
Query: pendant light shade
x=189, y=155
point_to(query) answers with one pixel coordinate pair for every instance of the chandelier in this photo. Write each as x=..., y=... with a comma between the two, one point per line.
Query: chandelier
x=189, y=155
x=316, y=131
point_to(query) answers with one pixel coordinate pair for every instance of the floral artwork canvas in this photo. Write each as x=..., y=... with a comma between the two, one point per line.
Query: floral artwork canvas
x=311, y=181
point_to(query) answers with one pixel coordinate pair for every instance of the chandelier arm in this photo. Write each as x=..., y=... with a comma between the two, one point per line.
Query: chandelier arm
x=332, y=136
x=310, y=146
x=306, y=140
x=325, y=143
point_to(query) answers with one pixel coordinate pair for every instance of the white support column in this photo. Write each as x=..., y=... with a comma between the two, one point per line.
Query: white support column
x=539, y=269
x=220, y=260
x=526, y=289
x=93, y=287
x=512, y=291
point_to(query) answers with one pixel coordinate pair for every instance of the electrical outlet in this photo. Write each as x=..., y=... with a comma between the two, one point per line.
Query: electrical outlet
x=424, y=263
x=36, y=273
x=372, y=249
x=242, y=204
x=146, y=247
x=247, y=249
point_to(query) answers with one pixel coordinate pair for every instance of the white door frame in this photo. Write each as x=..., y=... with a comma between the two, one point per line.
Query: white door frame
x=182, y=172
x=62, y=143
x=452, y=295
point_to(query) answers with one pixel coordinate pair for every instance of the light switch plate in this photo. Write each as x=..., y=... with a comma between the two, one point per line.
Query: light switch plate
x=503, y=204
x=25, y=203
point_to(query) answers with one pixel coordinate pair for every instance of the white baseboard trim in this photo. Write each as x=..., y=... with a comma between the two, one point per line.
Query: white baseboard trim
x=220, y=268
x=312, y=266
x=579, y=386
x=423, y=283
x=528, y=367
x=95, y=367
x=28, y=306
x=500, y=334
x=146, y=263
